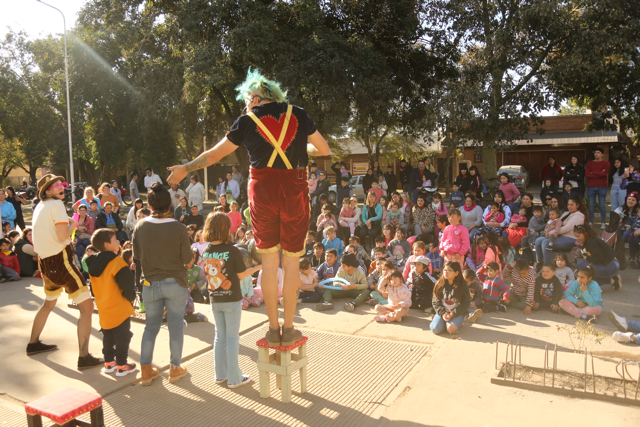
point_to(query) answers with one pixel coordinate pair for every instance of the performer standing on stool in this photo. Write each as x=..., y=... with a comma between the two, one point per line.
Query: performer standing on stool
x=278, y=137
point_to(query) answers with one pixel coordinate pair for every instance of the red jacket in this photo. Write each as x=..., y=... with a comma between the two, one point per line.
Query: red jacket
x=547, y=173
x=10, y=261
x=597, y=173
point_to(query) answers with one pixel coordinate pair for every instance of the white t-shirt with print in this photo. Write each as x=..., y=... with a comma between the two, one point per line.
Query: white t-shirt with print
x=45, y=236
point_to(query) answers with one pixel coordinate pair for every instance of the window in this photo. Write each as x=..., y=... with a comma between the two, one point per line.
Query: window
x=478, y=155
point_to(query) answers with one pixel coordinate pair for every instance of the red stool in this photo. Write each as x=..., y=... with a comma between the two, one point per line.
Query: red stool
x=283, y=363
x=64, y=406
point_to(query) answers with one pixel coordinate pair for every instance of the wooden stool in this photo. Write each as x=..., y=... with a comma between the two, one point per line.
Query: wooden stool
x=283, y=363
x=64, y=406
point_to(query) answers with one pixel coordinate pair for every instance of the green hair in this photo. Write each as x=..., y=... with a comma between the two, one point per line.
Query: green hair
x=256, y=82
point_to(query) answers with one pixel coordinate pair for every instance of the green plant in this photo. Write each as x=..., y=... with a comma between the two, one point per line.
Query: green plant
x=582, y=333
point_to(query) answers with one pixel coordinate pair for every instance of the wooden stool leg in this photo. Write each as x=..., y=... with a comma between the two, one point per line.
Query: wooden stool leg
x=285, y=381
x=279, y=363
x=34, y=420
x=97, y=417
x=302, y=352
x=265, y=378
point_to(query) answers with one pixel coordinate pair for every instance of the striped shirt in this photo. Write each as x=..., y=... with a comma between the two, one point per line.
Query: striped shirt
x=522, y=286
x=493, y=289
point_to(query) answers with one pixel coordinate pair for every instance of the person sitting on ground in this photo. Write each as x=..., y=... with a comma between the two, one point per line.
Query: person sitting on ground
x=455, y=239
x=380, y=255
x=523, y=285
x=85, y=268
x=109, y=219
x=495, y=215
x=12, y=236
x=476, y=294
x=495, y=292
x=326, y=221
x=27, y=256
x=94, y=210
x=132, y=215
x=182, y=211
x=360, y=250
x=380, y=242
x=536, y=226
x=347, y=212
x=352, y=250
x=435, y=259
x=235, y=217
x=374, y=278
x=222, y=200
x=9, y=264
x=569, y=192
x=419, y=249
x=518, y=227
x=399, y=249
x=309, y=290
x=318, y=257
x=86, y=201
x=456, y=197
x=438, y=205
x=84, y=231
x=628, y=330
x=583, y=299
x=398, y=299
x=194, y=218
x=332, y=242
x=563, y=272
x=112, y=285
x=451, y=300
x=356, y=289
x=197, y=281
x=422, y=284
x=395, y=216
x=549, y=290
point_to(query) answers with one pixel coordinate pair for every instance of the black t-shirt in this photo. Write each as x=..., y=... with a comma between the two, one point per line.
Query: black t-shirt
x=548, y=291
x=245, y=131
x=222, y=263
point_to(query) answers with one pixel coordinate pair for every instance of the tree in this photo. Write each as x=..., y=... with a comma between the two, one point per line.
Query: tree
x=598, y=66
x=505, y=50
x=571, y=108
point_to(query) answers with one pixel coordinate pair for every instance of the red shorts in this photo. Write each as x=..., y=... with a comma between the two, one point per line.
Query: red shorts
x=279, y=202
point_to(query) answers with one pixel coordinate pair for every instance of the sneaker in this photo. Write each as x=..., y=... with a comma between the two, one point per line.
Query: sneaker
x=349, y=306
x=176, y=373
x=290, y=336
x=109, y=367
x=591, y=318
x=475, y=316
x=219, y=381
x=39, y=347
x=549, y=247
x=246, y=379
x=273, y=337
x=89, y=361
x=616, y=282
x=502, y=307
x=603, y=226
x=142, y=310
x=324, y=306
x=123, y=370
x=538, y=267
x=280, y=300
x=624, y=337
x=619, y=322
x=372, y=302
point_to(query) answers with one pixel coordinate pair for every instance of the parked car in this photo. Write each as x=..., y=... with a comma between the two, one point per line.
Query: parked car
x=519, y=175
x=356, y=186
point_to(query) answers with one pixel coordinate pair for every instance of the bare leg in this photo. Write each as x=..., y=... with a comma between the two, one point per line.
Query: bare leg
x=41, y=319
x=269, y=284
x=292, y=282
x=84, y=326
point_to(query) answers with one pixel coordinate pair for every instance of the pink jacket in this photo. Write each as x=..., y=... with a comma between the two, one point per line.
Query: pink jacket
x=442, y=209
x=499, y=217
x=455, y=240
x=236, y=220
x=511, y=192
x=399, y=296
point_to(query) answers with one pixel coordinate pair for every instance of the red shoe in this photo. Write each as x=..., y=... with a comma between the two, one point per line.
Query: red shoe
x=126, y=369
x=109, y=367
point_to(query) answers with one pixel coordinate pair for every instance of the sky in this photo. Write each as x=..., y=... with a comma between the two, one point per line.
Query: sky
x=37, y=19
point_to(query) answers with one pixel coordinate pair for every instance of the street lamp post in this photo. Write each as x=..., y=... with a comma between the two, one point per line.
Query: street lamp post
x=66, y=74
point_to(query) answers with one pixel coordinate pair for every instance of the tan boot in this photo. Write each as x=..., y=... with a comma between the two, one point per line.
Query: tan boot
x=149, y=373
x=176, y=373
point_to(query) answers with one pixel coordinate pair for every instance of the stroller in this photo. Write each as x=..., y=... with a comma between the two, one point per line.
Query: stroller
x=612, y=236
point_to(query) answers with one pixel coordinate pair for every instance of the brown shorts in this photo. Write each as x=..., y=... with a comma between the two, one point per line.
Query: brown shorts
x=59, y=272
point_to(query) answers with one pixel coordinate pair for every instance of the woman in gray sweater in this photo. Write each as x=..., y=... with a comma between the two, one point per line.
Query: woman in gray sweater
x=162, y=247
x=471, y=216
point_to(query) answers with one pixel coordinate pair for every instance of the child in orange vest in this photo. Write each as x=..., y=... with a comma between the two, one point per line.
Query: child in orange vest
x=113, y=287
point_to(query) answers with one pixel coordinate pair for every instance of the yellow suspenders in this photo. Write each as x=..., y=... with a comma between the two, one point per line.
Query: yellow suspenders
x=277, y=145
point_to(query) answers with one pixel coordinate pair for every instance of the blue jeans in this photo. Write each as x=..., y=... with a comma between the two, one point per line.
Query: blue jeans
x=561, y=243
x=473, y=232
x=226, y=344
x=163, y=293
x=633, y=326
x=604, y=273
x=438, y=325
x=634, y=242
x=618, y=197
x=601, y=193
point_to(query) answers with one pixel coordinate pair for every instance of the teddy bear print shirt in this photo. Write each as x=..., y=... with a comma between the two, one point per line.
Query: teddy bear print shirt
x=222, y=263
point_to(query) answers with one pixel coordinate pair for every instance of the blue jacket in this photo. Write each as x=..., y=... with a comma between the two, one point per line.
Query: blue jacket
x=592, y=296
x=8, y=213
x=334, y=244
x=365, y=214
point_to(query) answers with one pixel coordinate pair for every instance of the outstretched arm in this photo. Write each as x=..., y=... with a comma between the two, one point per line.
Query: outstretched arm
x=209, y=157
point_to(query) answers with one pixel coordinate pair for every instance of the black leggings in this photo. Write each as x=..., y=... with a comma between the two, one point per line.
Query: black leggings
x=374, y=232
